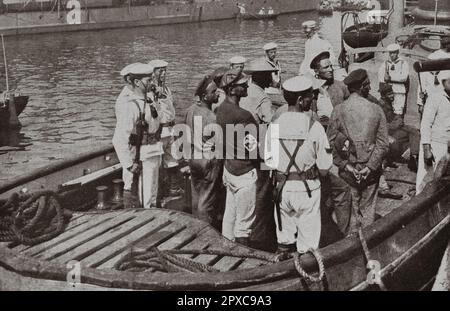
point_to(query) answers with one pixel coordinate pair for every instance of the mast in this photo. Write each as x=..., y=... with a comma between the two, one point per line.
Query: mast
x=396, y=20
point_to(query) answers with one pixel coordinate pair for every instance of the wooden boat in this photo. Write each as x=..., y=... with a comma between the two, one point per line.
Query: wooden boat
x=364, y=35
x=361, y=35
x=407, y=242
x=20, y=102
x=6, y=131
x=259, y=16
x=325, y=10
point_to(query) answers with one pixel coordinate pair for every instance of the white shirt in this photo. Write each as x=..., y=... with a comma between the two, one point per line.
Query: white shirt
x=127, y=113
x=435, y=124
x=315, y=150
x=314, y=46
x=324, y=105
x=399, y=71
x=166, y=110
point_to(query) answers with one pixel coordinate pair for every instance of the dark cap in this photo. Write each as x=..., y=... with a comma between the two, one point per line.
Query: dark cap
x=218, y=74
x=356, y=77
x=385, y=88
x=319, y=57
x=233, y=77
x=202, y=85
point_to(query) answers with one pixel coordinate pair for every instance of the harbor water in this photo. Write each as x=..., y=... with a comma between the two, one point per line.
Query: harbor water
x=73, y=78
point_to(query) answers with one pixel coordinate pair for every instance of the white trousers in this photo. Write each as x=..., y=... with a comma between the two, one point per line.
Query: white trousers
x=399, y=103
x=149, y=185
x=425, y=173
x=240, y=204
x=300, y=216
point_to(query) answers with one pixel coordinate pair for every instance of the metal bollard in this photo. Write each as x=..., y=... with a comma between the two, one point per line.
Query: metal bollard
x=118, y=191
x=101, y=197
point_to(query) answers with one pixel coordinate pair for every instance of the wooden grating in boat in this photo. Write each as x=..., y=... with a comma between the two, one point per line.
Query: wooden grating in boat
x=100, y=240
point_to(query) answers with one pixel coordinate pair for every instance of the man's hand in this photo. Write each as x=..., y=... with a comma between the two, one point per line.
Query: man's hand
x=5, y=96
x=135, y=168
x=420, y=109
x=423, y=96
x=365, y=173
x=387, y=78
x=353, y=171
x=428, y=155
x=391, y=139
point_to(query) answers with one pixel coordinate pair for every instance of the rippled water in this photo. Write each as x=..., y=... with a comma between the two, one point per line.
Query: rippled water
x=73, y=78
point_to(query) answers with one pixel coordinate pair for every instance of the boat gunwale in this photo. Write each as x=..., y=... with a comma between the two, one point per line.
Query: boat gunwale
x=333, y=254
x=54, y=167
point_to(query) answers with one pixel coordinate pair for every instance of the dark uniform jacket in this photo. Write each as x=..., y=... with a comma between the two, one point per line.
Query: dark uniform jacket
x=238, y=160
x=364, y=124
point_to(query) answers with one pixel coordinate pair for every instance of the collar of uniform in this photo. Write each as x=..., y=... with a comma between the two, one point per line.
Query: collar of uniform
x=273, y=64
x=256, y=87
x=394, y=62
x=132, y=95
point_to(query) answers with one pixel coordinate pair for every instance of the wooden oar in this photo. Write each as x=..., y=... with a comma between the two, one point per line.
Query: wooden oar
x=6, y=65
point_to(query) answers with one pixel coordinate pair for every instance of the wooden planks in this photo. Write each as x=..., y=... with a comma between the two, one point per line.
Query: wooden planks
x=123, y=243
x=204, y=241
x=107, y=238
x=80, y=181
x=190, y=233
x=76, y=220
x=252, y=263
x=182, y=230
x=85, y=236
x=92, y=221
x=155, y=239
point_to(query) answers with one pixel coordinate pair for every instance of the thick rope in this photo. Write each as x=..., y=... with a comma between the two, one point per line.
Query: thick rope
x=161, y=261
x=31, y=219
x=368, y=256
x=303, y=273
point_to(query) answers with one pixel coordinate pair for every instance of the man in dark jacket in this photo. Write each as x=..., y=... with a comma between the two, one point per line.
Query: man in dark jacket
x=360, y=157
x=243, y=220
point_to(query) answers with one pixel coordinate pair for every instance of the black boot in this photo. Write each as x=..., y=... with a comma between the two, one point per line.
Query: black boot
x=284, y=251
x=243, y=241
x=413, y=163
x=174, y=189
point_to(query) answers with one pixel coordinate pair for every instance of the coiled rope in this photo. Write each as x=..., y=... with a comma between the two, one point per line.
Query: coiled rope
x=31, y=219
x=166, y=261
x=303, y=273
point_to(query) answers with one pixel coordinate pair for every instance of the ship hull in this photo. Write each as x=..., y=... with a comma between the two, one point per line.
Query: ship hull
x=20, y=23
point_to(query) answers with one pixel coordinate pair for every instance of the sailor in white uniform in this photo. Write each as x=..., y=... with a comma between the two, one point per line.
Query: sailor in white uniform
x=313, y=46
x=430, y=80
x=134, y=111
x=297, y=149
x=271, y=54
x=162, y=96
x=395, y=71
x=435, y=131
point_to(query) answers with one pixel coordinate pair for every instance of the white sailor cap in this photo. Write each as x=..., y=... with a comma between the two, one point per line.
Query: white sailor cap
x=317, y=83
x=309, y=24
x=158, y=63
x=270, y=46
x=297, y=84
x=137, y=69
x=237, y=60
x=394, y=47
x=439, y=54
x=444, y=75
x=260, y=65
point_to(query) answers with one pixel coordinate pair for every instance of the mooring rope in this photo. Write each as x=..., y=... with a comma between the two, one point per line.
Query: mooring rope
x=31, y=219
